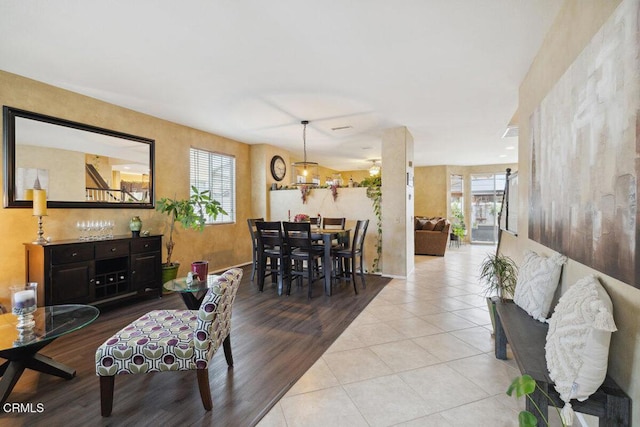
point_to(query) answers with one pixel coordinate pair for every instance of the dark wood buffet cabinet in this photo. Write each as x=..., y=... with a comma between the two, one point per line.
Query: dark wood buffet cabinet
x=97, y=271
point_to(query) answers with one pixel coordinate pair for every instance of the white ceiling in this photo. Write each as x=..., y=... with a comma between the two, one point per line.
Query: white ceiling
x=251, y=70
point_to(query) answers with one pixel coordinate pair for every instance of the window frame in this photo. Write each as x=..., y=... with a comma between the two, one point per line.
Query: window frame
x=209, y=178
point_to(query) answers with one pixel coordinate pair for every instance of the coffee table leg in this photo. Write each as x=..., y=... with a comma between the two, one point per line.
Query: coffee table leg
x=49, y=366
x=11, y=376
x=190, y=300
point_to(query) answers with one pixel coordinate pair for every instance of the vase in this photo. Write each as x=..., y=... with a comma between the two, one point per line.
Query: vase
x=23, y=305
x=135, y=225
x=201, y=269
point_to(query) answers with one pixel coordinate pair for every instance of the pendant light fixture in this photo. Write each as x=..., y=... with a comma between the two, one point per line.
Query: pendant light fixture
x=374, y=169
x=305, y=173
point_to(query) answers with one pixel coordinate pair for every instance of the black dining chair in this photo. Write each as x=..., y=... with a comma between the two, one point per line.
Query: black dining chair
x=301, y=248
x=272, y=248
x=254, y=244
x=350, y=257
x=335, y=224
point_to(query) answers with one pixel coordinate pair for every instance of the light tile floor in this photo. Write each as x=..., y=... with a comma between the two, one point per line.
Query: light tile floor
x=421, y=354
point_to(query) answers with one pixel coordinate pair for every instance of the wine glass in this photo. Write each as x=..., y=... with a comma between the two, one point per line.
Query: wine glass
x=82, y=228
x=110, y=225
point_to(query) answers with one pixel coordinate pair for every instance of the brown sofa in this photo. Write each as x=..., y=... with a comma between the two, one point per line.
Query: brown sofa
x=431, y=235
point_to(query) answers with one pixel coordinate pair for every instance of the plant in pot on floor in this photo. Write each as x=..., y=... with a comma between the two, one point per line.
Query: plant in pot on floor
x=192, y=213
x=499, y=275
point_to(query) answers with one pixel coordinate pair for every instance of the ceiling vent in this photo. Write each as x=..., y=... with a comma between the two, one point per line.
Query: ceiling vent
x=511, y=132
x=342, y=127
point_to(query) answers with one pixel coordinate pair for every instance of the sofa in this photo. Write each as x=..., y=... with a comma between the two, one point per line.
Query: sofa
x=431, y=235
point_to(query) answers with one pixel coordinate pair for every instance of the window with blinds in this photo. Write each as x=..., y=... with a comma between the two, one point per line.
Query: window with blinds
x=217, y=173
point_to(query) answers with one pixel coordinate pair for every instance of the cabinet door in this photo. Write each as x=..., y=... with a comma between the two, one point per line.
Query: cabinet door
x=146, y=271
x=72, y=283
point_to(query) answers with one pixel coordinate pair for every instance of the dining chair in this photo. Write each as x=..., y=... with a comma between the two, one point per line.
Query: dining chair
x=301, y=248
x=273, y=248
x=172, y=340
x=254, y=244
x=335, y=224
x=353, y=256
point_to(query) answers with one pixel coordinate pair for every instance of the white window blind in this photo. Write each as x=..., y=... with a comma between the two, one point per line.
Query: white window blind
x=217, y=173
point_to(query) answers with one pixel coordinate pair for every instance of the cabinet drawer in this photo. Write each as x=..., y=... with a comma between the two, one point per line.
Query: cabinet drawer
x=71, y=253
x=112, y=249
x=145, y=244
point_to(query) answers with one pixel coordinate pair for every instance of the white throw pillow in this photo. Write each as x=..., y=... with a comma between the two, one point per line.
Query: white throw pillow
x=578, y=340
x=537, y=282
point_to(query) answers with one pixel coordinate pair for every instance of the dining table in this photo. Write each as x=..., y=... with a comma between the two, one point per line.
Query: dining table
x=328, y=235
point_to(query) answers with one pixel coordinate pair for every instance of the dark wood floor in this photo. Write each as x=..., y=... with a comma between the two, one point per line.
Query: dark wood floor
x=274, y=341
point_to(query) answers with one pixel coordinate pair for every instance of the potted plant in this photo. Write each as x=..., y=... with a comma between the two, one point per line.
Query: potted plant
x=457, y=231
x=192, y=213
x=525, y=385
x=499, y=274
x=458, y=228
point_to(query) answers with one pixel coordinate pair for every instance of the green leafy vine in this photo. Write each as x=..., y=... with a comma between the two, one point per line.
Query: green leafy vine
x=374, y=192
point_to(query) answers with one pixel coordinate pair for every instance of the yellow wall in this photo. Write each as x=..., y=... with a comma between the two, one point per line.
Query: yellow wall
x=577, y=22
x=221, y=245
x=431, y=187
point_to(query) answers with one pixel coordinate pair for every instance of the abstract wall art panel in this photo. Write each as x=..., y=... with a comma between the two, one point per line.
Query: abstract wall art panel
x=585, y=154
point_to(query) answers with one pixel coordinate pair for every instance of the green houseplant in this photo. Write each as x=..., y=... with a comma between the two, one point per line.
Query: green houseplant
x=192, y=213
x=458, y=228
x=523, y=386
x=374, y=192
x=499, y=275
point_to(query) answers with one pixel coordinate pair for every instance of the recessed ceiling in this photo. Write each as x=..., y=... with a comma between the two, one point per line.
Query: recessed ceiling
x=448, y=70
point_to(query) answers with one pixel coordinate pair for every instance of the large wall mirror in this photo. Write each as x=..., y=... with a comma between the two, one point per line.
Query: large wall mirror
x=79, y=166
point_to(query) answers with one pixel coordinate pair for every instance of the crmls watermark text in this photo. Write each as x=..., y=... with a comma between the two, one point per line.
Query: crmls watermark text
x=23, y=408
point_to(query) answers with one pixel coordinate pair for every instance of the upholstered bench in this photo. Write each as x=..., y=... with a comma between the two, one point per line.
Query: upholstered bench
x=526, y=337
x=171, y=340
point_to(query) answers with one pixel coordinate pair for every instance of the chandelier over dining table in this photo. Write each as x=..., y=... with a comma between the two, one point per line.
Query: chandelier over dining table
x=305, y=172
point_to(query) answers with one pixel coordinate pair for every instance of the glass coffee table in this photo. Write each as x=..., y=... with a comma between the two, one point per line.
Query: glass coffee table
x=21, y=349
x=193, y=292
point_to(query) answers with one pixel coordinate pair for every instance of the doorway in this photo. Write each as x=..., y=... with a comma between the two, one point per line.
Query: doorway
x=487, y=191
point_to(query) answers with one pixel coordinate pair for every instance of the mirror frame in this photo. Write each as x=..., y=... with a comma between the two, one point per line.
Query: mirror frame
x=9, y=150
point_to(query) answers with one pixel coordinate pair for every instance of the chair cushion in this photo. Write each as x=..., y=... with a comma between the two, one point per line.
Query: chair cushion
x=161, y=340
x=346, y=253
x=315, y=251
x=537, y=282
x=578, y=340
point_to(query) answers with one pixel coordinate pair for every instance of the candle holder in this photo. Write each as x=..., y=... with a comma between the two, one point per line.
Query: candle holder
x=39, y=210
x=40, y=240
x=23, y=305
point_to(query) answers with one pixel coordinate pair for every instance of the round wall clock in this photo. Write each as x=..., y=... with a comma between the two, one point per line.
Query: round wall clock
x=278, y=168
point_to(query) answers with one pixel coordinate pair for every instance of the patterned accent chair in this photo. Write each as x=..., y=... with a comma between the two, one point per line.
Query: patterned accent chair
x=171, y=340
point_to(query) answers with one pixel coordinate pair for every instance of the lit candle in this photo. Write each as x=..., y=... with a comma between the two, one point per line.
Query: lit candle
x=24, y=299
x=39, y=203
